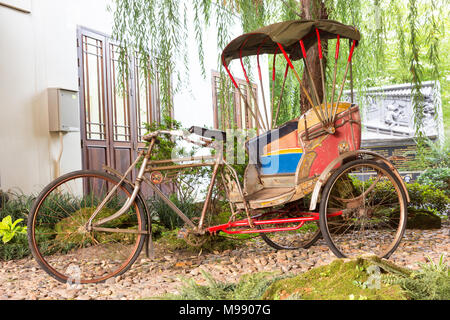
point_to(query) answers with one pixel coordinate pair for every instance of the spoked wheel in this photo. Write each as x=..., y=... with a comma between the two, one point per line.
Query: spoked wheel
x=60, y=241
x=363, y=210
x=303, y=237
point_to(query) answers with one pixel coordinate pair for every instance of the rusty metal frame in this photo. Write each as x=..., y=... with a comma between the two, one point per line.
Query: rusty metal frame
x=147, y=167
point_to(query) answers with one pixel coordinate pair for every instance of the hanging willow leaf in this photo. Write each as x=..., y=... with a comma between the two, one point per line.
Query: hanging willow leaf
x=389, y=52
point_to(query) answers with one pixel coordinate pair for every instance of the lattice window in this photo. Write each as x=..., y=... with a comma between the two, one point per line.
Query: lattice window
x=93, y=89
x=232, y=112
x=120, y=99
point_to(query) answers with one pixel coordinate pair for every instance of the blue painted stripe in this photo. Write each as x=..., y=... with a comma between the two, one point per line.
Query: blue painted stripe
x=282, y=163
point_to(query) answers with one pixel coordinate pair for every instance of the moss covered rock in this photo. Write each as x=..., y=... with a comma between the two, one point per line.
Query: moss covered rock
x=422, y=219
x=419, y=219
x=340, y=280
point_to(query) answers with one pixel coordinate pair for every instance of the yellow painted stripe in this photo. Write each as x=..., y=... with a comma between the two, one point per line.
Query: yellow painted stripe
x=284, y=151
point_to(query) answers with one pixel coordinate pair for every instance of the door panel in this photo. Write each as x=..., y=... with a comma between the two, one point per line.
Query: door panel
x=93, y=102
x=96, y=156
x=123, y=158
x=122, y=112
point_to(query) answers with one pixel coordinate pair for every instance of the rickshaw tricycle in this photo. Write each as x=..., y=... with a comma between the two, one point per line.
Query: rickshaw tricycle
x=306, y=179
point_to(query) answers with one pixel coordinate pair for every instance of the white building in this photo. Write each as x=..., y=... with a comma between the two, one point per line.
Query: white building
x=65, y=44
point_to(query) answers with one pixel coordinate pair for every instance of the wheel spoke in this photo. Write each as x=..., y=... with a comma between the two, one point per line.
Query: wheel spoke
x=367, y=224
x=304, y=237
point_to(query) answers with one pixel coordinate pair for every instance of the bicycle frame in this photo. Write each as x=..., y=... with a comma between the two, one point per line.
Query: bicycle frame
x=216, y=162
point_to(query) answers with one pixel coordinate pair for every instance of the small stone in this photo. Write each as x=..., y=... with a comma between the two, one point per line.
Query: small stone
x=106, y=292
x=194, y=272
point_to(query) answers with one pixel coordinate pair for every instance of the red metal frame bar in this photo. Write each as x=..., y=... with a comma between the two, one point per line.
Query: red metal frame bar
x=239, y=90
x=229, y=74
x=325, y=99
x=242, y=63
x=338, y=44
x=351, y=51
x=274, y=64
x=350, y=56
x=319, y=44
x=308, y=71
x=336, y=59
x=314, y=216
x=286, y=56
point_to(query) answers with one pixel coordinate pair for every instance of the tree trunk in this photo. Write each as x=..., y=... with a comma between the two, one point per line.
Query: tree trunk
x=311, y=10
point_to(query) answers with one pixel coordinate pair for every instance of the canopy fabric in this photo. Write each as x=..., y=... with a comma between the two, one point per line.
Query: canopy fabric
x=288, y=34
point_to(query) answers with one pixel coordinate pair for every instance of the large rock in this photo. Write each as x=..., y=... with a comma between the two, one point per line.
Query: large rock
x=418, y=219
x=422, y=219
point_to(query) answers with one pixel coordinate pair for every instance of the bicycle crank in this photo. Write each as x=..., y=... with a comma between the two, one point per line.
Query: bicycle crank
x=192, y=238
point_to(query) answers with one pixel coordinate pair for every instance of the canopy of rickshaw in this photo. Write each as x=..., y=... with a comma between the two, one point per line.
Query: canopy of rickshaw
x=288, y=34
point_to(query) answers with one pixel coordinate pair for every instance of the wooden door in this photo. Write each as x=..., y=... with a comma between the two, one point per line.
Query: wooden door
x=93, y=99
x=112, y=116
x=122, y=115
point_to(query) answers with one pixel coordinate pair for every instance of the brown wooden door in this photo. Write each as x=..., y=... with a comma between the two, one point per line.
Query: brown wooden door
x=112, y=117
x=93, y=99
x=122, y=115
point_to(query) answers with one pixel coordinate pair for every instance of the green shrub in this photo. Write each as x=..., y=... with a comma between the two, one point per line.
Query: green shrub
x=8, y=229
x=14, y=238
x=428, y=197
x=16, y=249
x=438, y=178
x=431, y=282
x=423, y=196
x=165, y=215
x=3, y=199
x=15, y=205
x=249, y=287
x=431, y=154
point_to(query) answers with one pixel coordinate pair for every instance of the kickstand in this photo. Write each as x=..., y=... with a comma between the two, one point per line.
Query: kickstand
x=149, y=249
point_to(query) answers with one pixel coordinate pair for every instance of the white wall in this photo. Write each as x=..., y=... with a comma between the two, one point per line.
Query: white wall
x=38, y=51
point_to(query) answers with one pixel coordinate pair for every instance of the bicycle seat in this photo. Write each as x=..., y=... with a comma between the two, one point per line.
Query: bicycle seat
x=209, y=133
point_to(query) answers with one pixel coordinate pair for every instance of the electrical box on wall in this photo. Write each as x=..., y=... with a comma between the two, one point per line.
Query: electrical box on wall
x=63, y=110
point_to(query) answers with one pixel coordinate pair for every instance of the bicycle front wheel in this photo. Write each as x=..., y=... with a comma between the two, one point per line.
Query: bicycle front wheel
x=58, y=237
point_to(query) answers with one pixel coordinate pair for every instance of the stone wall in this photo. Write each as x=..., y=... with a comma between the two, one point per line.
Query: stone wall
x=388, y=121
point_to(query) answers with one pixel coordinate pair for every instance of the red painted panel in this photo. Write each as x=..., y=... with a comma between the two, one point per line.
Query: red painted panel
x=328, y=150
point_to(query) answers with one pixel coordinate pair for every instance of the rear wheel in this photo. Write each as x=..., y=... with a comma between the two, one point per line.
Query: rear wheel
x=363, y=210
x=60, y=241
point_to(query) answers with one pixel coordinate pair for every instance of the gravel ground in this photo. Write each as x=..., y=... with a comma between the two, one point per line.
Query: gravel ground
x=24, y=280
